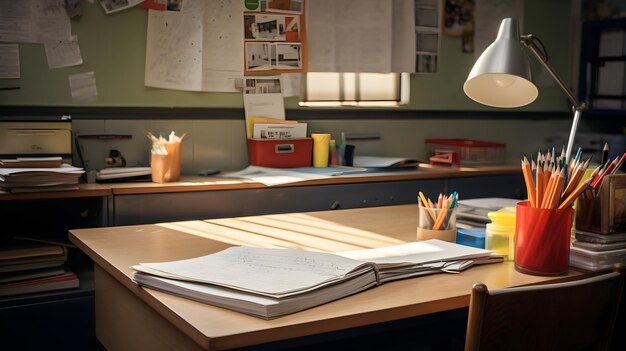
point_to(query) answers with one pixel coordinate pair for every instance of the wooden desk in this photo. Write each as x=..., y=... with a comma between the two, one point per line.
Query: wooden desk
x=196, y=197
x=130, y=317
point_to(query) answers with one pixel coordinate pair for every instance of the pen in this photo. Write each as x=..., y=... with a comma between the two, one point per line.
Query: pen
x=342, y=150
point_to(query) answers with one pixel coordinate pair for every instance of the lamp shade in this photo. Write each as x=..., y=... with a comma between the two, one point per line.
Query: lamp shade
x=501, y=77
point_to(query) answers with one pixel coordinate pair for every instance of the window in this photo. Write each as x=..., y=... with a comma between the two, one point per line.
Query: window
x=356, y=89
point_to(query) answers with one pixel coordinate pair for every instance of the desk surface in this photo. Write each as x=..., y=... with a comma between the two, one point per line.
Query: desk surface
x=115, y=249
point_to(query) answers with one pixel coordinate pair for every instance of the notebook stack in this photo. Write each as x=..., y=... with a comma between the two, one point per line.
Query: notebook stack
x=594, y=251
x=38, y=174
x=29, y=267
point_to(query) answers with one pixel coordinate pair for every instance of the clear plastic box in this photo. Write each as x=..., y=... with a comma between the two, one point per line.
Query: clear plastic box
x=471, y=152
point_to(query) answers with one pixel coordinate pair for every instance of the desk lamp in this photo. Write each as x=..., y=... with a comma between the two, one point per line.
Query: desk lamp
x=501, y=77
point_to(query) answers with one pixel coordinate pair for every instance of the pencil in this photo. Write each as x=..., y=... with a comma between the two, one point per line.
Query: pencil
x=619, y=163
x=547, y=191
x=556, y=197
x=539, y=185
x=441, y=216
x=528, y=179
x=427, y=205
x=607, y=170
x=575, y=178
x=570, y=199
x=605, y=154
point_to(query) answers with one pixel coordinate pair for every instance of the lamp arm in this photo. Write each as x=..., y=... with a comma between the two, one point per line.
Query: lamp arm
x=530, y=44
x=577, y=106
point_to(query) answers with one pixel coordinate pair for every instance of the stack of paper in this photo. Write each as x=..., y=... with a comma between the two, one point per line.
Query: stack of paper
x=269, y=282
x=32, y=162
x=65, y=177
x=123, y=174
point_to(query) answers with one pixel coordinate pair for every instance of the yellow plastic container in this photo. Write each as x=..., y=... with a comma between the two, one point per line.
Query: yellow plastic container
x=500, y=232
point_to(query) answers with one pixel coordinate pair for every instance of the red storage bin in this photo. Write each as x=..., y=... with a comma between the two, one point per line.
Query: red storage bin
x=280, y=153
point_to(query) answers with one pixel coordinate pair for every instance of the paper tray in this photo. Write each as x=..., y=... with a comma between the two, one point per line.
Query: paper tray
x=280, y=153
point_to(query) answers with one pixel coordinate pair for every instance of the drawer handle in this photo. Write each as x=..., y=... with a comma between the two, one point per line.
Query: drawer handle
x=284, y=148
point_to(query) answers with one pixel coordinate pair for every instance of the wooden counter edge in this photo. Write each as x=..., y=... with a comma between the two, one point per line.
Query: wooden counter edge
x=84, y=190
x=197, y=183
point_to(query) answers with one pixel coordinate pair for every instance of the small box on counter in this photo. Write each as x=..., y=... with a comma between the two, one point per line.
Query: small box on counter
x=606, y=212
x=280, y=153
x=470, y=152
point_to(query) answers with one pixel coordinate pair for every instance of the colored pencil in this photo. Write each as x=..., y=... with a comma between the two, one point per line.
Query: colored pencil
x=530, y=184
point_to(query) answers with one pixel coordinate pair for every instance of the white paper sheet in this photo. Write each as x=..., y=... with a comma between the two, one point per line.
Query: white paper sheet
x=174, y=48
x=196, y=49
x=403, y=44
x=349, y=35
x=368, y=36
x=17, y=21
x=9, y=61
x=267, y=271
x=63, y=53
x=111, y=6
x=263, y=97
x=418, y=252
x=83, y=87
x=33, y=21
x=222, y=55
x=276, y=176
x=290, y=83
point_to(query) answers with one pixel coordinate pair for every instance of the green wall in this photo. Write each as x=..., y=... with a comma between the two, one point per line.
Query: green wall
x=113, y=46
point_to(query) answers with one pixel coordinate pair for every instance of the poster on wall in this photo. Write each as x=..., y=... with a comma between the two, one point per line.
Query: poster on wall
x=274, y=38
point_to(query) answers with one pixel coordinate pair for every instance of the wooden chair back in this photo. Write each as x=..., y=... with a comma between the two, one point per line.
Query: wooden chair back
x=574, y=315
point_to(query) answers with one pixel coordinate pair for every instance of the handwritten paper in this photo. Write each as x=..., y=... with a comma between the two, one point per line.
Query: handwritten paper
x=196, y=49
x=370, y=36
x=63, y=53
x=222, y=55
x=174, y=48
x=33, y=21
x=350, y=36
x=9, y=61
x=83, y=87
x=17, y=21
x=267, y=271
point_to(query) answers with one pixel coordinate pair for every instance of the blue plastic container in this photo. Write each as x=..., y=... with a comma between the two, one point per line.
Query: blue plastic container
x=474, y=237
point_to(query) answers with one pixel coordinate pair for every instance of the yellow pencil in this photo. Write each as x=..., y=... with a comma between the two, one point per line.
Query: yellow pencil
x=427, y=206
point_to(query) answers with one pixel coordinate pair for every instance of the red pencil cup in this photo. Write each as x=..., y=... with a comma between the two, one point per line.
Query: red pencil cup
x=542, y=239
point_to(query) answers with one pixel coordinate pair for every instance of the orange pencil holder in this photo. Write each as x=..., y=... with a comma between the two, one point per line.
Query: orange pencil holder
x=542, y=239
x=166, y=168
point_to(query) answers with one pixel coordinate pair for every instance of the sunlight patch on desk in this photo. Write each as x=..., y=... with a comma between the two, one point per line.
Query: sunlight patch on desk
x=223, y=234
x=215, y=182
x=322, y=229
x=292, y=231
x=305, y=240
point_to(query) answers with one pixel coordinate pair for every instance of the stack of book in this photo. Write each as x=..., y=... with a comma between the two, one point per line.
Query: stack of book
x=594, y=251
x=28, y=267
x=38, y=174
